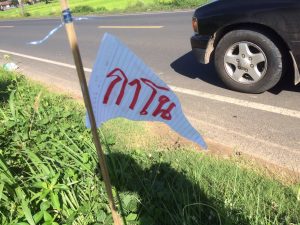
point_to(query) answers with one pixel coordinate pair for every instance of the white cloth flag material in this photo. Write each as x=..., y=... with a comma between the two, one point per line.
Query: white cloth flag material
x=121, y=85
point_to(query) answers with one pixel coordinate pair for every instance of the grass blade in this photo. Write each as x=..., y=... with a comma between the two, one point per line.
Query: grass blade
x=24, y=204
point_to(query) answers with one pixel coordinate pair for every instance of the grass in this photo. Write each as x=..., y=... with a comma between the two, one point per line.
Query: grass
x=99, y=7
x=49, y=172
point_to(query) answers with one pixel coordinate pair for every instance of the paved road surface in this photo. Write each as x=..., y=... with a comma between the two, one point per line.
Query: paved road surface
x=265, y=125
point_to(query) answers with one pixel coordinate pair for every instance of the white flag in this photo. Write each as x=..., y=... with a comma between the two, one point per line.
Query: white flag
x=121, y=85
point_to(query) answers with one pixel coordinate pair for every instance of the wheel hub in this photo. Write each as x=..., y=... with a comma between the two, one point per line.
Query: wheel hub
x=245, y=62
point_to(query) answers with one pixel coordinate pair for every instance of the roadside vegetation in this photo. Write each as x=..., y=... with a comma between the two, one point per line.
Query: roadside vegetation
x=52, y=8
x=49, y=172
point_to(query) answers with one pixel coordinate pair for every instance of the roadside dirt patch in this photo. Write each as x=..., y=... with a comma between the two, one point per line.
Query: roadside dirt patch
x=167, y=139
x=170, y=139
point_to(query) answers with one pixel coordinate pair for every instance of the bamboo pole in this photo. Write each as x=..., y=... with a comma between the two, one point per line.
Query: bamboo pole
x=84, y=88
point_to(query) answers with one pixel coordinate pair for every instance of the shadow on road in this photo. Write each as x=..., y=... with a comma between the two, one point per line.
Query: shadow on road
x=286, y=84
x=187, y=65
x=166, y=195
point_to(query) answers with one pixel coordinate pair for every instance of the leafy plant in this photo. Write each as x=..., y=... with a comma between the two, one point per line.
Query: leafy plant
x=83, y=9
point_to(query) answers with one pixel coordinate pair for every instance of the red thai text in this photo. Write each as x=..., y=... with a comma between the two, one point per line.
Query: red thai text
x=164, y=105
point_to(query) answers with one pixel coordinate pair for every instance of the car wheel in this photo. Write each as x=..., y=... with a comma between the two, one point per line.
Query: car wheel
x=248, y=61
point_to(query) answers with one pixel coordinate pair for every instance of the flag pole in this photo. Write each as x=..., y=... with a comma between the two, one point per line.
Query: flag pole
x=67, y=17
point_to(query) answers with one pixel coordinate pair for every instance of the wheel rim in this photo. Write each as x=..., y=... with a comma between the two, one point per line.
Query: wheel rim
x=245, y=62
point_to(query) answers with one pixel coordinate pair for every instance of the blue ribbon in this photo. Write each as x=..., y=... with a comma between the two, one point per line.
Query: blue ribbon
x=53, y=32
x=67, y=16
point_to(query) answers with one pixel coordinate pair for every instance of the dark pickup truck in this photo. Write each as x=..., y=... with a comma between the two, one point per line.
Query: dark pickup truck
x=252, y=42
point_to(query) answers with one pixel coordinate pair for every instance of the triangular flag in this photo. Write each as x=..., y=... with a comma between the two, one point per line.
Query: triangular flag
x=121, y=85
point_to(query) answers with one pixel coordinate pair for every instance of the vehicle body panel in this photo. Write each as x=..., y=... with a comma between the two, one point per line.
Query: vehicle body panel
x=280, y=16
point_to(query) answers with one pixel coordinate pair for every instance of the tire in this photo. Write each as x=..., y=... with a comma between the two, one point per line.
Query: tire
x=238, y=66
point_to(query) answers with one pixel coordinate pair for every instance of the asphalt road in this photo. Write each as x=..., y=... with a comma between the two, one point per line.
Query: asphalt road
x=265, y=125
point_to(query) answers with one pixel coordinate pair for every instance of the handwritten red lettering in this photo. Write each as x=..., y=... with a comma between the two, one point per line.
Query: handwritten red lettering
x=138, y=85
x=115, y=73
x=164, y=113
x=153, y=86
x=161, y=110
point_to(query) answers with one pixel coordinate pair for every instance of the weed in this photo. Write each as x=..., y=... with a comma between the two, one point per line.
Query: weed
x=101, y=9
x=83, y=9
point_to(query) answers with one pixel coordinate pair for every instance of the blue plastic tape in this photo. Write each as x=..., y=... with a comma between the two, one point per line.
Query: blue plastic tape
x=67, y=16
x=54, y=31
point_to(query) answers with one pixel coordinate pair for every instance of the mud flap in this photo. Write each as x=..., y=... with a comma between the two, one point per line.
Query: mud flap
x=296, y=69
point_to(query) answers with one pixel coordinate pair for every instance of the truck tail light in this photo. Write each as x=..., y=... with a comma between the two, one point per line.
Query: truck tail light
x=195, y=24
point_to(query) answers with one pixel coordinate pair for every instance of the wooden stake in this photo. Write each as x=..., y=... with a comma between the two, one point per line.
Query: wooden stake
x=84, y=88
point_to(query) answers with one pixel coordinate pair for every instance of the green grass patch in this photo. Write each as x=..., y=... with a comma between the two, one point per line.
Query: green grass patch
x=49, y=172
x=100, y=7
